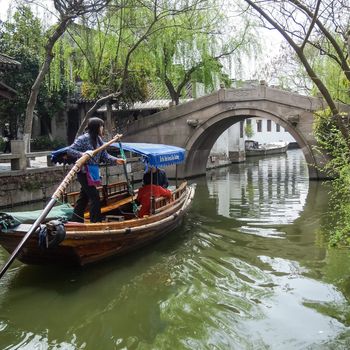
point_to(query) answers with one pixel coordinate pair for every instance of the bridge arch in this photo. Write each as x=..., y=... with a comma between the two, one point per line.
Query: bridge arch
x=196, y=125
x=200, y=143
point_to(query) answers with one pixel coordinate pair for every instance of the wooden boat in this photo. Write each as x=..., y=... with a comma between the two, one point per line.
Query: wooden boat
x=253, y=148
x=121, y=232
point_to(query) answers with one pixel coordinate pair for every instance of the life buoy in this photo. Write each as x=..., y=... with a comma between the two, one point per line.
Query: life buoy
x=51, y=234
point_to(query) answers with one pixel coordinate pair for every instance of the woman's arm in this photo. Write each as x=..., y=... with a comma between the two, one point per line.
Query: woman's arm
x=109, y=159
x=78, y=147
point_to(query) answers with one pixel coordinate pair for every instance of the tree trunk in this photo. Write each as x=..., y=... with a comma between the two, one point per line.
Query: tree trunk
x=299, y=50
x=94, y=108
x=175, y=97
x=108, y=124
x=28, y=123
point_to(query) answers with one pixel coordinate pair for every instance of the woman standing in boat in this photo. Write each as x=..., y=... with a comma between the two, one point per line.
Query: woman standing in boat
x=89, y=175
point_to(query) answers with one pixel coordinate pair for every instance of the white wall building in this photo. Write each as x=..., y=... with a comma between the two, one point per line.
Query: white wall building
x=267, y=131
x=232, y=140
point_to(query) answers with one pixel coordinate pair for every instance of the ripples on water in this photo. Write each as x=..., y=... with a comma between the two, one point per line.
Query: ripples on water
x=248, y=270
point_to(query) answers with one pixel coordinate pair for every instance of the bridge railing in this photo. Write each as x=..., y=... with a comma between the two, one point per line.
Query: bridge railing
x=21, y=160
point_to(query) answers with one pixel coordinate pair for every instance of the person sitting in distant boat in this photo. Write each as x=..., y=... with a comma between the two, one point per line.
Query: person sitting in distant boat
x=156, y=176
x=89, y=175
x=145, y=193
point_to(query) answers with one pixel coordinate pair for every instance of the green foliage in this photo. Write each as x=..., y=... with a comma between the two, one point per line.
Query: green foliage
x=331, y=140
x=24, y=30
x=333, y=143
x=100, y=52
x=124, y=48
x=21, y=80
x=43, y=143
x=194, y=45
x=23, y=39
x=248, y=130
x=185, y=50
x=331, y=73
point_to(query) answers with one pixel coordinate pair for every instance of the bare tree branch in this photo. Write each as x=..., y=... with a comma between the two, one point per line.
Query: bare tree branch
x=68, y=10
x=93, y=109
x=312, y=74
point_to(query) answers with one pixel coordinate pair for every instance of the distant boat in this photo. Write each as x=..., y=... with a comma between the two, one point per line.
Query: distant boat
x=253, y=148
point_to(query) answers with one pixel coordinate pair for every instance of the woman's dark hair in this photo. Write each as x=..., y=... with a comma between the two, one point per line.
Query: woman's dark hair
x=93, y=128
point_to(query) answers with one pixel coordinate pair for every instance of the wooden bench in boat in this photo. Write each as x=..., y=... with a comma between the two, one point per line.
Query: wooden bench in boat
x=159, y=204
x=114, y=205
x=116, y=195
x=163, y=203
x=106, y=192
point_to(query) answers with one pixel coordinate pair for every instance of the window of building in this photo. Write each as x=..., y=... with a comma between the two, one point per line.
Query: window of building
x=259, y=125
x=278, y=127
x=268, y=125
x=249, y=121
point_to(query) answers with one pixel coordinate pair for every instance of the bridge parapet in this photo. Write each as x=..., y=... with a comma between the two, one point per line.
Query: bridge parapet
x=197, y=124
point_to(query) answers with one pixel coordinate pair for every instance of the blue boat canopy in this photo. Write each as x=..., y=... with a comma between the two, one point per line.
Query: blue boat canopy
x=157, y=155
x=62, y=157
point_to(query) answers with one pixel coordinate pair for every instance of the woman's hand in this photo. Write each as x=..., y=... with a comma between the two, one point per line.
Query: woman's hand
x=120, y=161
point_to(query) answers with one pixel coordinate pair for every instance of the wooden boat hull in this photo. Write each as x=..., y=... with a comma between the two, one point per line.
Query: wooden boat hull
x=90, y=243
x=265, y=152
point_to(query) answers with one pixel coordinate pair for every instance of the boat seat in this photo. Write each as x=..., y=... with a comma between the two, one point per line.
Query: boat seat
x=115, y=205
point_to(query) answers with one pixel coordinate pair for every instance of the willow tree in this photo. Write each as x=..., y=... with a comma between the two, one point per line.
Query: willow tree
x=68, y=11
x=130, y=29
x=193, y=46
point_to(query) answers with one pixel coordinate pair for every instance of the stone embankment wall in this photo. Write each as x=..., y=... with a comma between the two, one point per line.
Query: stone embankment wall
x=32, y=185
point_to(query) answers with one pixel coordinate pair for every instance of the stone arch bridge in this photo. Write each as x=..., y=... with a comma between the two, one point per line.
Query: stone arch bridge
x=196, y=125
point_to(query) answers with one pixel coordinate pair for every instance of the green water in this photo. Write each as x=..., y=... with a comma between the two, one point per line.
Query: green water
x=249, y=269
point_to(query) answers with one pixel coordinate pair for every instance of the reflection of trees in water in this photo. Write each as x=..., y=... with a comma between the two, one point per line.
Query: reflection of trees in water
x=229, y=277
x=111, y=297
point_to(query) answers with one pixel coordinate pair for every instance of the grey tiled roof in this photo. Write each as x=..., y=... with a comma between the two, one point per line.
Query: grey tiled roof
x=6, y=91
x=80, y=99
x=7, y=62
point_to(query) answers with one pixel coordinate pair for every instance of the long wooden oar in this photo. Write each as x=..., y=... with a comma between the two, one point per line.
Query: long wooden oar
x=58, y=193
x=130, y=189
x=128, y=182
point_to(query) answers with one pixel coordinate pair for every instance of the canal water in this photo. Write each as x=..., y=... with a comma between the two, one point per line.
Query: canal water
x=249, y=269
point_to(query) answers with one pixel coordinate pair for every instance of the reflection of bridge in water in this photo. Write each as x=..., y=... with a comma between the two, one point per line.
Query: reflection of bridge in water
x=264, y=192
x=264, y=195
x=196, y=125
